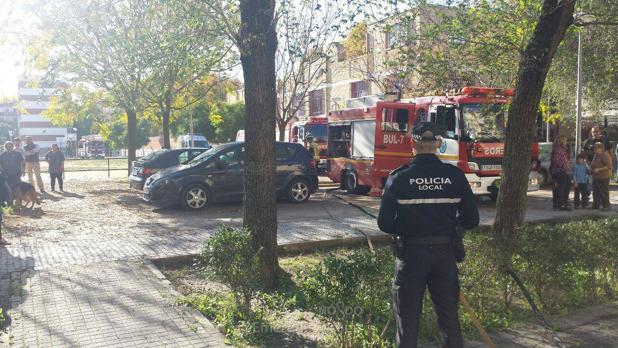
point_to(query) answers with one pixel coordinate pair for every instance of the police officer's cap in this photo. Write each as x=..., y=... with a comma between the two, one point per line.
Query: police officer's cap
x=427, y=131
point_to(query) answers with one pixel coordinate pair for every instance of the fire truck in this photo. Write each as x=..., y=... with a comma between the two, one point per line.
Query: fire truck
x=317, y=127
x=365, y=145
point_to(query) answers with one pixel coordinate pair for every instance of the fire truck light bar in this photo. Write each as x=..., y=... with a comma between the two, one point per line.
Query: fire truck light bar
x=487, y=91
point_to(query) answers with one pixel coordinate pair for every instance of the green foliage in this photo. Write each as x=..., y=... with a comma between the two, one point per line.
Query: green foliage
x=352, y=295
x=5, y=128
x=241, y=327
x=572, y=264
x=229, y=256
x=355, y=44
x=115, y=133
x=1, y=317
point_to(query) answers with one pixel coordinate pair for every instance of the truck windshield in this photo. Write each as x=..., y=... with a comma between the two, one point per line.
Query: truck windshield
x=318, y=131
x=484, y=122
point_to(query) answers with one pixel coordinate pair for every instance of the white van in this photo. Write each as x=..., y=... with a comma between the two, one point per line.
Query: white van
x=198, y=141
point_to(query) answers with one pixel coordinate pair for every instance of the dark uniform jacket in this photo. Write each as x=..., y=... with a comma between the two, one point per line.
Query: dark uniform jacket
x=427, y=198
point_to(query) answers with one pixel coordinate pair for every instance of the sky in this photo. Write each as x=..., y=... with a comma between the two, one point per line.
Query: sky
x=11, y=56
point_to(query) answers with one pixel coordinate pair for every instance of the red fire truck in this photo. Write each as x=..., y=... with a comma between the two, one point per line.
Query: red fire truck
x=317, y=127
x=365, y=145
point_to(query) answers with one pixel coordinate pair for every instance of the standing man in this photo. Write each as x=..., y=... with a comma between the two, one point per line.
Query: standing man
x=595, y=137
x=55, y=160
x=33, y=167
x=18, y=148
x=11, y=163
x=424, y=205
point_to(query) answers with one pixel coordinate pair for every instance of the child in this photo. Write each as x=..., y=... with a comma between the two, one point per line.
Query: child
x=581, y=175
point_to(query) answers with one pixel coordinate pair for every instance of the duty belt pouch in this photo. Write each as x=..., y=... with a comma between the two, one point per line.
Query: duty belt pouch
x=458, y=244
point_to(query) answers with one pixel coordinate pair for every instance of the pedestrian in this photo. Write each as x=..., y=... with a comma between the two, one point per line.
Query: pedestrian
x=55, y=159
x=6, y=196
x=11, y=163
x=424, y=205
x=601, y=167
x=559, y=169
x=17, y=146
x=33, y=166
x=581, y=182
x=595, y=137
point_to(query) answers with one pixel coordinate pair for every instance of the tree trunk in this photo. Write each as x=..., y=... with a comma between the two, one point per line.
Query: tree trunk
x=282, y=126
x=556, y=17
x=131, y=135
x=258, y=44
x=165, y=114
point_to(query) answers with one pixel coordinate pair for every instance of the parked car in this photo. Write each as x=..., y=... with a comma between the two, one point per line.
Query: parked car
x=217, y=176
x=156, y=161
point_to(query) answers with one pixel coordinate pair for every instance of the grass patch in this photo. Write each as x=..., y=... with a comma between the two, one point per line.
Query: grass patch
x=345, y=292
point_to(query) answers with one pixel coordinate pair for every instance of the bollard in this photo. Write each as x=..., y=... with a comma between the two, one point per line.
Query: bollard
x=108, y=170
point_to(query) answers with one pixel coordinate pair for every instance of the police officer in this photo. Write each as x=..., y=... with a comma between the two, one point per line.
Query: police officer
x=424, y=205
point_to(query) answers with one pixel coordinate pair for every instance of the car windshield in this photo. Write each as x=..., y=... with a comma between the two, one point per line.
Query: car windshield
x=484, y=122
x=318, y=131
x=204, y=156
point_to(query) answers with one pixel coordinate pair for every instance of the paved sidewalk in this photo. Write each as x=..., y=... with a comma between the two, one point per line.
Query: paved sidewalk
x=74, y=276
x=114, y=304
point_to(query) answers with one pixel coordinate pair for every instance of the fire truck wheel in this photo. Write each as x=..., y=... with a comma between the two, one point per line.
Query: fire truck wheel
x=194, y=197
x=298, y=191
x=351, y=185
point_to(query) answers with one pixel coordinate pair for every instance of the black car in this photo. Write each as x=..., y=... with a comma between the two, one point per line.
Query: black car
x=156, y=161
x=217, y=176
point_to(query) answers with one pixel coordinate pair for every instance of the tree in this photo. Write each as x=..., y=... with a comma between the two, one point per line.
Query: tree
x=257, y=43
x=184, y=51
x=101, y=42
x=77, y=107
x=115, y=132
x=227, y=119
x=305, y=30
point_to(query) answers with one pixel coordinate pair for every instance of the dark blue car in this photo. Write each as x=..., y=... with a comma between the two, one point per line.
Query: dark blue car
x=159, y=160
x=217, y=176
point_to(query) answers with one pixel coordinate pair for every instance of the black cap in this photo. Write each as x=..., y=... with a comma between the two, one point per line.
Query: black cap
x=426, y=131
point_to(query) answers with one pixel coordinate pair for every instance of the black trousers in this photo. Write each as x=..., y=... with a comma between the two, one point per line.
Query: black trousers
x=54, y=177
x=561, y=190
x=431, y=267
x=581, y=196
x=600, y=193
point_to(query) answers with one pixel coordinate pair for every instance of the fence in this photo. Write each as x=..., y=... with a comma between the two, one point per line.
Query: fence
x=107, y=164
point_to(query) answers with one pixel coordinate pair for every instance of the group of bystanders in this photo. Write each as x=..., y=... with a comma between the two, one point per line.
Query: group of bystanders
x=591, y=172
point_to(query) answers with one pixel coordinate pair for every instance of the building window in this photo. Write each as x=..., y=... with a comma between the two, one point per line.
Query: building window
x=316, y=102
x=395, y=36
x=359, y=89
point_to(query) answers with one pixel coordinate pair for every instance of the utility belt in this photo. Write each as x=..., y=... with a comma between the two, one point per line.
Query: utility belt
x=456, y=242
x=430, y=240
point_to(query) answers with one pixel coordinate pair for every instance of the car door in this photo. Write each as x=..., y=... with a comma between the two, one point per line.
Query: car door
x=226, y=174
x=285, y=167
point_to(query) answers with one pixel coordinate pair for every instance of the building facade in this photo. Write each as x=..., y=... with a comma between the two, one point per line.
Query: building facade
x=34, y=98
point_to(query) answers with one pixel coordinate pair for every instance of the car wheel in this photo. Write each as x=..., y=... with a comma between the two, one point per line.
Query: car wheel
x=351, y=185
x=194, y=197
x=299, y=191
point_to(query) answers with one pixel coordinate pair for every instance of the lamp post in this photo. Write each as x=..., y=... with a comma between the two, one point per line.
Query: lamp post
x=579, y=20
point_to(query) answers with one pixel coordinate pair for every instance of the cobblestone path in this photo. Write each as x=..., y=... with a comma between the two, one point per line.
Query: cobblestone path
x=74, y=276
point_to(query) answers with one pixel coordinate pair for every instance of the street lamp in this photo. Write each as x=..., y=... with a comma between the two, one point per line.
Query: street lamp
x=579, y=20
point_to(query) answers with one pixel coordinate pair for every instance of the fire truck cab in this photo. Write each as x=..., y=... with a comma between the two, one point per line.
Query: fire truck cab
x=474, y=120
x=315, y=126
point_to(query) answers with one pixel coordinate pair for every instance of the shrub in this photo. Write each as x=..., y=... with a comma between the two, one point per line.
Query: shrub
x=351, y=294
x=230, y=257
